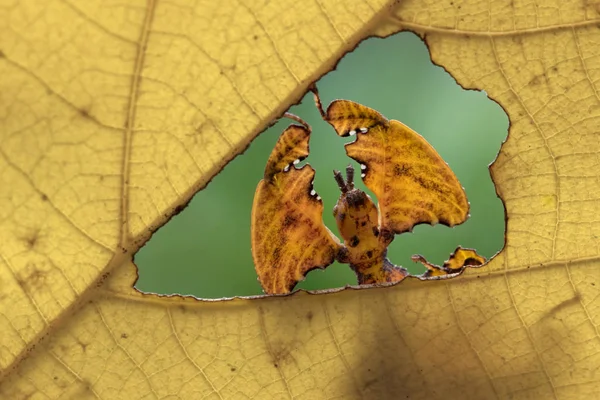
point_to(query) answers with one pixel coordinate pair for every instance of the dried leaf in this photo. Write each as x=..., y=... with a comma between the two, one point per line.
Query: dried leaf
x=288, y=235
x=459, y=260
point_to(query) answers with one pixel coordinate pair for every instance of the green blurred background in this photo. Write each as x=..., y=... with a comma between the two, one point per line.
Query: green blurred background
x=205, y=250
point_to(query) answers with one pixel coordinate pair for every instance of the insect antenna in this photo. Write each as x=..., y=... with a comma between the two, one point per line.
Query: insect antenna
x=340, y=181
x=297, y=119
x=350, y=177
x=313, y=88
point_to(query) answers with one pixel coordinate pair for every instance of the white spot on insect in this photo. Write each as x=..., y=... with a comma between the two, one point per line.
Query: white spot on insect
x=363, y=175
x=363, y=166
x=352, y=133
x=364, y=130
x=313, y=192
x=286, y=168
x=296, y=161
x=318, y=197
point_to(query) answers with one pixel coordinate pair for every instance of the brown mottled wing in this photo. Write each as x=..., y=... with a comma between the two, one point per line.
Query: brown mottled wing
x=459, y=260
x=288, y=235
x=292, y=145
x=411, y=181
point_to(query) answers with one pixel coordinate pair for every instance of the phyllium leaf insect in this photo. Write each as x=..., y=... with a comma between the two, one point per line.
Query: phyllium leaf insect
x=412, y=183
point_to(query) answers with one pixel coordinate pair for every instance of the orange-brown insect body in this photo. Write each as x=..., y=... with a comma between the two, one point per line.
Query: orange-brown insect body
x=365, y=244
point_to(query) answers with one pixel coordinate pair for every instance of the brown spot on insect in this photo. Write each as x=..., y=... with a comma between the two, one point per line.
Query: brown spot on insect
x=289, y=220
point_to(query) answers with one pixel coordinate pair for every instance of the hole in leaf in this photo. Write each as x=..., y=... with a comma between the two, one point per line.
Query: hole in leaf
x=205, y=250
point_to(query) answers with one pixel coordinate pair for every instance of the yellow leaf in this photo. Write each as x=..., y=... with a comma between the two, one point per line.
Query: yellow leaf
x=111, y=117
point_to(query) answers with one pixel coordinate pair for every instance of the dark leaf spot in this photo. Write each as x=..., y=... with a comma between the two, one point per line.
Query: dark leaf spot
x=178, y=209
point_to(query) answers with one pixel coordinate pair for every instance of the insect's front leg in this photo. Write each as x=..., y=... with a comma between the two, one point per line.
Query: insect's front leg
x=386, y=236
x=343, y=255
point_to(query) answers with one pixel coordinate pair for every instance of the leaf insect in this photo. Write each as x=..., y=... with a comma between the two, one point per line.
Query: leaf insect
x=411, y=181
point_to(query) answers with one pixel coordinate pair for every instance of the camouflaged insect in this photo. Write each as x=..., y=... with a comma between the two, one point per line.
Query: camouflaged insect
x=412, y=183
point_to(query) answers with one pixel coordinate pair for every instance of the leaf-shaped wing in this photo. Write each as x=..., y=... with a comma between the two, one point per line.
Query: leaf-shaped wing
x=411, y=181
x=288, y=235
x=292, y=147
x=459, y=260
